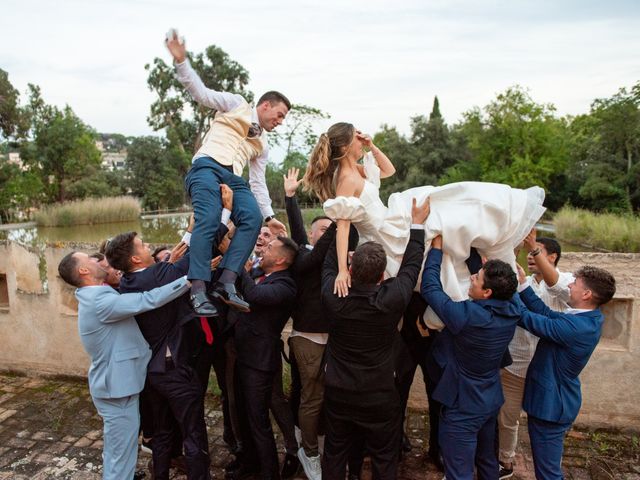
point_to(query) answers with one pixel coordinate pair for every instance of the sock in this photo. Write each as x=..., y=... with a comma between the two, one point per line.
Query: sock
x=197, y=286
x=227, y=276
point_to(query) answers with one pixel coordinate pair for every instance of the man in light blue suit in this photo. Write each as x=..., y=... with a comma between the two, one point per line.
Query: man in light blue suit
x=552, y=395
x=119, y=354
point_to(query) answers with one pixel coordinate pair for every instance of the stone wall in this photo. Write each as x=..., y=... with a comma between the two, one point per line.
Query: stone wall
x=38, y=325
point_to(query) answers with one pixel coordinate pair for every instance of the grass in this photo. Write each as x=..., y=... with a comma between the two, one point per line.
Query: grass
x=617, y=233
x=89, y=212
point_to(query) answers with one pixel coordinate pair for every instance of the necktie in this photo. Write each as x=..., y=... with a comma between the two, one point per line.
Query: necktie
x=208, y=334
x=260, y=278
x=255, y=130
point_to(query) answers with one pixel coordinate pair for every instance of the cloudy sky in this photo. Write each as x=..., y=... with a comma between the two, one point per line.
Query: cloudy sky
x=368, y=62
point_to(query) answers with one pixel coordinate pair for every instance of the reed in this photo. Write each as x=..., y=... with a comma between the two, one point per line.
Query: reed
x=617, y=233
x=89, y=211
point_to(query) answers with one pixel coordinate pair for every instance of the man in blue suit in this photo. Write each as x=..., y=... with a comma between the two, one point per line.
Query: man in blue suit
x=119, y=354
x=469, y=353
x=552, y=396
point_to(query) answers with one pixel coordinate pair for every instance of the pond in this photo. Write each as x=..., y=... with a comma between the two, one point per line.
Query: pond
x=157, y=229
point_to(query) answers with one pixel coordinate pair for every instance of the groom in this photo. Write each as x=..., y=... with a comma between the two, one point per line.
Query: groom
x=236, y=138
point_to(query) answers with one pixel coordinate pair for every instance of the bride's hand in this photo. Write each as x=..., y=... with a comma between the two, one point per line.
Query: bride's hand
x=364, y=138
x=342, y=284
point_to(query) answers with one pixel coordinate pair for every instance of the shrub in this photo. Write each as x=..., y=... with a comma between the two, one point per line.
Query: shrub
x=618, y=233
x=89, y=211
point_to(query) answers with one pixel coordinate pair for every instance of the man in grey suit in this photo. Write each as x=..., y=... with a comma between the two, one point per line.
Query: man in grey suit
x=119, y=354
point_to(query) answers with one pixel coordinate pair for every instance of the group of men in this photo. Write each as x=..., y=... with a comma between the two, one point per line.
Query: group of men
x=153, y=335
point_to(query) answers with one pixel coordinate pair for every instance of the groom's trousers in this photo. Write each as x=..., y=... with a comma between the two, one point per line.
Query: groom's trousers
x=203, y=186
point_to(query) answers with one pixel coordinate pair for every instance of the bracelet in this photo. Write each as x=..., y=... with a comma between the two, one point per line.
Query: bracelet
x=535, y=252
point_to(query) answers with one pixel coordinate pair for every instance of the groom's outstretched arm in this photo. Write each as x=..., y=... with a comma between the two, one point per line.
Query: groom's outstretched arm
x=187, y=76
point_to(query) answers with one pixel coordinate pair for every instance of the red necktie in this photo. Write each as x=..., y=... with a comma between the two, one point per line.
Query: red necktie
x=260, y=278
x=208, y=334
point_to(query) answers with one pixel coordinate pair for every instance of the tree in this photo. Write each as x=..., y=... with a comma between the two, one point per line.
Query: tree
x=217, y=70
x=297, y=133
x=64, y=151
x=13, y=118
x=155, y=170
x=513, y=140
x=19, y=190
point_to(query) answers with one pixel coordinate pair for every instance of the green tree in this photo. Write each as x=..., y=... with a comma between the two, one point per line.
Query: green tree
x=217, y=70
x=155, y=170
x=513, y=140
x=13, y=118
x=297, y=134
x=19, y=190
x=63, y=150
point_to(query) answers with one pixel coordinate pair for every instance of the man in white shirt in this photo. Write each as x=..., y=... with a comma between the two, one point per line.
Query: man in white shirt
x=235, y=138
x=552, y=286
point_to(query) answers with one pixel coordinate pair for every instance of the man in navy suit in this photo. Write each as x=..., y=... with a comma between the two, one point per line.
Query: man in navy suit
x=119, y=354
x=552, y=395
x=175, y=389
x=469, y=352
x=257, y=339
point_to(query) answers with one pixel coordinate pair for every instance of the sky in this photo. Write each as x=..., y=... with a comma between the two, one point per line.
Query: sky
x=367, y=62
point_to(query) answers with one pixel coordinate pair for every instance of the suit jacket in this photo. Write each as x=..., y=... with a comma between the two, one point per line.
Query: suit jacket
x=257, y=333
x=552, y=388
x=470, y=350
x=110, y=335
x=162, y=327
x=307, y=271
x=363, y=325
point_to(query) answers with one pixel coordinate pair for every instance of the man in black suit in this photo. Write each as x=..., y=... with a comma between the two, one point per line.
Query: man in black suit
x=257, y=339
x=361, y=398
x=175, y=388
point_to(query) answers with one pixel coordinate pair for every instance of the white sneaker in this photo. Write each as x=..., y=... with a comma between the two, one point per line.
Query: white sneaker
x=311, y=465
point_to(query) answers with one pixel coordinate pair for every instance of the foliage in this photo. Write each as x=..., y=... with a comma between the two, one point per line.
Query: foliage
x=618, y=233
x=13, y=118
x=19, y=190
x=513, y=140
x=297, y=133
x=155, y=172
x=89, y=212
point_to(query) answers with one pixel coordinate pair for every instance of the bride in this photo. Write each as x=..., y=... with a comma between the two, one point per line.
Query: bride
x=491, y=217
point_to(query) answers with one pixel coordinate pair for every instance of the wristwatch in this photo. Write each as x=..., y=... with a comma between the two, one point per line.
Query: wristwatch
x=269, y=218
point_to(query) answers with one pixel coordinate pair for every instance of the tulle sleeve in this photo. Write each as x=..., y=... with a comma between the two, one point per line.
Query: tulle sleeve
x=344, y=208
x=371, y=169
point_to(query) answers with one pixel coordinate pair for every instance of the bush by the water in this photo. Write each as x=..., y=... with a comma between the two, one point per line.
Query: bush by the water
x=89, y=212
x=618, y=233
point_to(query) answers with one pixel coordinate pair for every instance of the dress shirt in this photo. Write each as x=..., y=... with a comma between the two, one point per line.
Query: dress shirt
x=225, y=102
x=524, y=343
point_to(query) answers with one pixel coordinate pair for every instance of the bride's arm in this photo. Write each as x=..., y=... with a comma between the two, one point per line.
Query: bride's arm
x=348, y=186
x=384, y=164
x=343, y=280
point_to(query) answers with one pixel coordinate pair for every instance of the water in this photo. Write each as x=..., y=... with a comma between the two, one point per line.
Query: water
x=158, y=229
x=163, y=229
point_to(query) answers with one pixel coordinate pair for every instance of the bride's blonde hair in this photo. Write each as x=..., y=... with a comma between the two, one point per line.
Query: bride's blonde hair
x=325, y=159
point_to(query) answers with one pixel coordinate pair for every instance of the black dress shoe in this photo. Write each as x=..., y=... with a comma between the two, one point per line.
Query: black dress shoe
x=139, y=475
x=202, y=306
x=290, y=466
x=227, y=293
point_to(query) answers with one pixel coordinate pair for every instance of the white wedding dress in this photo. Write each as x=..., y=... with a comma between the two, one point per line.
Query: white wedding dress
x=491, y=217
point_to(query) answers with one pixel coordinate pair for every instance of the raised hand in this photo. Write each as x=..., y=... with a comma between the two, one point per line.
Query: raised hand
x=227, y=196
x=277, y=227
x=291, y=182
x=364, y=138
x=178, y=252
x=420, y=213
x=175, y=45
x=530, y=240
